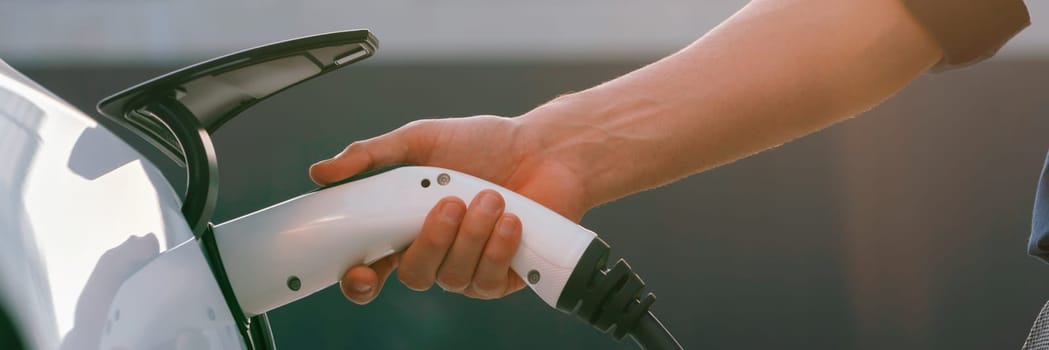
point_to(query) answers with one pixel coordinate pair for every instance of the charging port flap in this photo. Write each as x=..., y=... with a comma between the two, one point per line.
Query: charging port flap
x=217, y=90
x=176, y=113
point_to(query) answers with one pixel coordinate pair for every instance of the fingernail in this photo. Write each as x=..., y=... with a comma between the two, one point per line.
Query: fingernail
x=506, y=226
x=451, y=211
x=362, y=288
x=489, y=201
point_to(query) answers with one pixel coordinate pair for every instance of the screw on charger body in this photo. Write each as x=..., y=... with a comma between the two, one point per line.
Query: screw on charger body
x=533, y=277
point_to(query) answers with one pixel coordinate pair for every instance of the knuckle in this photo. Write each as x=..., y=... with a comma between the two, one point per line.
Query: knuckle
x=476, y=234
x=417, y=125
x=353, y=147
x=494, y=257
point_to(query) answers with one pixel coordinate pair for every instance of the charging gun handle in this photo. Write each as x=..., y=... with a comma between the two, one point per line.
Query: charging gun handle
x=292, y=249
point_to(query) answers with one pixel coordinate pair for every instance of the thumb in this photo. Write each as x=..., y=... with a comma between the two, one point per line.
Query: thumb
x=398, y=146
x=361, y=284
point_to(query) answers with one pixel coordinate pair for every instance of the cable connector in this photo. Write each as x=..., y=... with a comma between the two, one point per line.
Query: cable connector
x=608, y=299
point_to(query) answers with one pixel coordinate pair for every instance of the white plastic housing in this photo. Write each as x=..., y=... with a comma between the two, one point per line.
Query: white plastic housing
x=316, y=237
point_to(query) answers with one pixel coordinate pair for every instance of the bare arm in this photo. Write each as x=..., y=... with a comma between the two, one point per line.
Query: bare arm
x=774, y=71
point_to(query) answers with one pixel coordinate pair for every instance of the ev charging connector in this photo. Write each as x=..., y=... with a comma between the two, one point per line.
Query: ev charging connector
x=282, y=253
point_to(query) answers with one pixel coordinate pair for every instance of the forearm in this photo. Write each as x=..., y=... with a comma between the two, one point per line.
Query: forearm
x=774, y=71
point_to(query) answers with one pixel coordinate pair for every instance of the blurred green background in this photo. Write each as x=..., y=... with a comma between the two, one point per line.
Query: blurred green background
x=904, y=228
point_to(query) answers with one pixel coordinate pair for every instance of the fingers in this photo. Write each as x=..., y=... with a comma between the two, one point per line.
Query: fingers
x=457, y=270
x=361, y=284
x=491, y=280
x=421, y=260
x=404, y=145
x=465, y=249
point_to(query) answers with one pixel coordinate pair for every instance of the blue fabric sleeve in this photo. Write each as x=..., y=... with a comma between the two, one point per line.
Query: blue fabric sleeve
x=1039, y=243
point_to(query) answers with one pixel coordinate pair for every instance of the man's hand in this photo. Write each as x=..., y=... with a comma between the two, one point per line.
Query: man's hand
x=463, y=248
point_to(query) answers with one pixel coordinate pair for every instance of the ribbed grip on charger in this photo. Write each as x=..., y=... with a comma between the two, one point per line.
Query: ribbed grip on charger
x=605, y=297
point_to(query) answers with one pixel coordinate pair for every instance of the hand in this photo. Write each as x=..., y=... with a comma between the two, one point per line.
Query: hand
x=457, y=248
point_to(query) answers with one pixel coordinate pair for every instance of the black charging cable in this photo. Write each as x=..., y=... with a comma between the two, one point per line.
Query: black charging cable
x=610, y=300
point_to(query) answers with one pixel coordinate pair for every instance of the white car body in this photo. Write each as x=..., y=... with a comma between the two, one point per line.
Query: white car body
x=83, y=217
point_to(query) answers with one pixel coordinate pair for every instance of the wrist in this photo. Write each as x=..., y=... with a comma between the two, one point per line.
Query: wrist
x=566, y=131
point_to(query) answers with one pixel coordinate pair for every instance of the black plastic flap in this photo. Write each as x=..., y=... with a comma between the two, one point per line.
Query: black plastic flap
x=217, y=90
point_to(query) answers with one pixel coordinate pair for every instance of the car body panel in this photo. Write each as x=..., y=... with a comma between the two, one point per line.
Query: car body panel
x=89, y=224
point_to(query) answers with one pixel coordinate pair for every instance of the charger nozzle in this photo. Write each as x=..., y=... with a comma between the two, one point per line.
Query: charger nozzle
x=610, y=299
